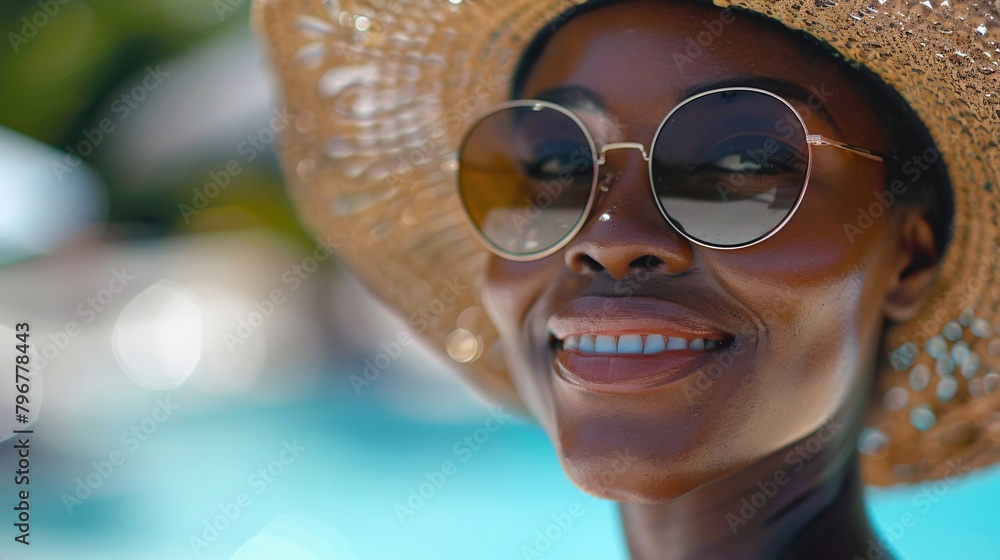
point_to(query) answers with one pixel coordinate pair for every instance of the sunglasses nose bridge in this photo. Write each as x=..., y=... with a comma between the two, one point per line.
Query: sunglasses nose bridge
x=635, y=238
x=621, y=146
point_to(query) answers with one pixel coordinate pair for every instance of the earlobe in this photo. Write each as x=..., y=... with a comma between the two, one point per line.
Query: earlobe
x=917, y=269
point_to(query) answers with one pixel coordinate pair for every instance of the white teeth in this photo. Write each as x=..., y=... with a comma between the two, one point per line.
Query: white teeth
x=674, y=343
x=634, y=344
x=604, y=344
x=630, y=344
x=654, y=344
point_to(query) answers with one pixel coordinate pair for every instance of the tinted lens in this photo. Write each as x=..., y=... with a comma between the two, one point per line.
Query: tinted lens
x=729, y=167
x=525, y=177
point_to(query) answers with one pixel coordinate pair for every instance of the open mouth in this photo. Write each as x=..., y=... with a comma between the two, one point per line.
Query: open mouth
x=610, y=344
x=631, y=344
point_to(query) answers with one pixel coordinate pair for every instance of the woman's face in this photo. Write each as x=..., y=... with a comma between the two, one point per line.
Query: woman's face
x=800, y=314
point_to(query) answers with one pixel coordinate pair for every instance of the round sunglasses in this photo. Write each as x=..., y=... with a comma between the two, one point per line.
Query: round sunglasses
x=727, y=168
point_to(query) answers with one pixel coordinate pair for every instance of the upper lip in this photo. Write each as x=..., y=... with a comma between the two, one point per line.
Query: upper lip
x=632, y=315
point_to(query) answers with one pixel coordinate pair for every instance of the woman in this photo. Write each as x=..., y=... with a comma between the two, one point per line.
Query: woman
x=701, y=249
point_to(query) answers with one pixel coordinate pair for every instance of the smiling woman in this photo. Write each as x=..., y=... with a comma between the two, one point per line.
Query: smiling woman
x=704, y=247
x=793, y=366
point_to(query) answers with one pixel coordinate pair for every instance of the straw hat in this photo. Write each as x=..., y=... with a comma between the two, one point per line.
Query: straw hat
x=383, y=90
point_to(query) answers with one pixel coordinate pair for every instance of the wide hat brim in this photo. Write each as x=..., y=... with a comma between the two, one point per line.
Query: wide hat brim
x=382, y=92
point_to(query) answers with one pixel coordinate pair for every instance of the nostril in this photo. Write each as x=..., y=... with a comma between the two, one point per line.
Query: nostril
x=585, y=262
x=648, y=262
x=604, y=181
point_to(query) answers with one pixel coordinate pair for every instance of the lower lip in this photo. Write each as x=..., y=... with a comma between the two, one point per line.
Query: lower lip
x=628, y=373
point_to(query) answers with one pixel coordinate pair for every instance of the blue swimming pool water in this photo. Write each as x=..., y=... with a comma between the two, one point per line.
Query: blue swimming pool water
x=341, y=472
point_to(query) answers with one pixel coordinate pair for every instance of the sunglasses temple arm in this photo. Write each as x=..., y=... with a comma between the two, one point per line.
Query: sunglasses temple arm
x=817, y=140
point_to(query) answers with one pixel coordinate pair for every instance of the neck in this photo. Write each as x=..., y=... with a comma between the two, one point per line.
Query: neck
x=801, y=502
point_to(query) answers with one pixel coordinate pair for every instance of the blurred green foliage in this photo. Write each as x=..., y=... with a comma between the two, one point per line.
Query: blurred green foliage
x=62, y=71
x=62, y=61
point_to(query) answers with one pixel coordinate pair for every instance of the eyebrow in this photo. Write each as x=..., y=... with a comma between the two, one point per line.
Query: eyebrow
x=582, y=98
x=784, y=88
x=574, y=97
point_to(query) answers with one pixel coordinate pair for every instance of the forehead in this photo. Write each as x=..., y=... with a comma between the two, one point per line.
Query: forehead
x=640, y=58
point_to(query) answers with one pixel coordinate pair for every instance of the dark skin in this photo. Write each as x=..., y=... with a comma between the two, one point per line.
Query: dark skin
x=807, y=307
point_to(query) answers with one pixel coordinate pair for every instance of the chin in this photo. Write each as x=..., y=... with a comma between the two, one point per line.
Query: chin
x=626, y=477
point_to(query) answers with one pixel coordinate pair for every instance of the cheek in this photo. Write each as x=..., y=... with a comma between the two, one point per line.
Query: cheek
x=832, y=236
x=510, y=289
x=815, y=294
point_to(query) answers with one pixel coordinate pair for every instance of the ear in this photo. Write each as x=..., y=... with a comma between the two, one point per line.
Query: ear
x=916, y=269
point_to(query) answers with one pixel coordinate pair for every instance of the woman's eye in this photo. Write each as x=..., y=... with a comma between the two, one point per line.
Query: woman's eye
x=549, y=167
x=736, y=163
x=553, y=160
x=553, y=166
x=755, y=155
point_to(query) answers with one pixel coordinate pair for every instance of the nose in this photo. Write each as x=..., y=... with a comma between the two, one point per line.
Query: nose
x=625, y=233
